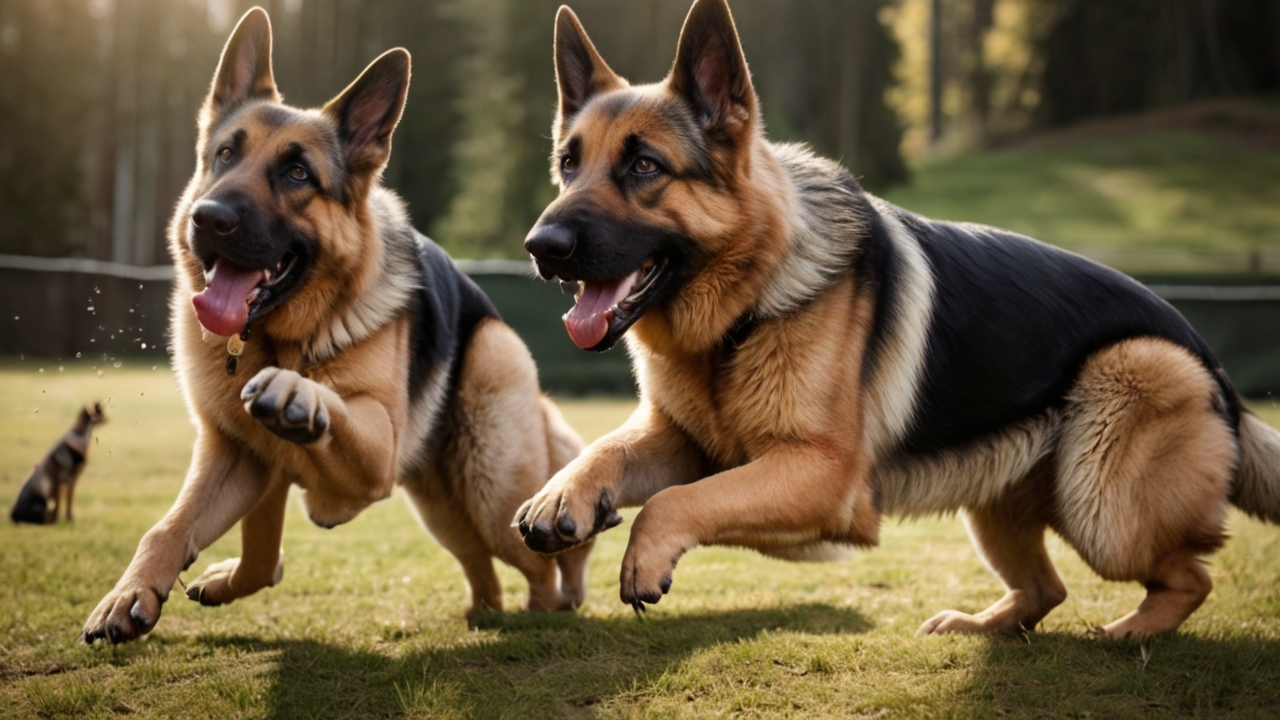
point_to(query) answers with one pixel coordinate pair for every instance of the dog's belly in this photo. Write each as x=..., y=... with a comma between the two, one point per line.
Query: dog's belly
x=970, y=475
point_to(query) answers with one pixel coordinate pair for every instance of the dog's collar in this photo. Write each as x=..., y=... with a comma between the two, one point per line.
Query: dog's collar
x=235, y=347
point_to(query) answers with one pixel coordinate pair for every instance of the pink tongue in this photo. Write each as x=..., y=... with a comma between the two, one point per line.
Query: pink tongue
x=223, y=307
x=588, y=321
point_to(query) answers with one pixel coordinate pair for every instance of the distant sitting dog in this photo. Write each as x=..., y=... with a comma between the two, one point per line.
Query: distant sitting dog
x=56, y=475
x=811, y=357
x=320, y=341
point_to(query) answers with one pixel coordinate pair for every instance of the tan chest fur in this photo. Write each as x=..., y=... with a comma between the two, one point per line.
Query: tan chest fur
x=374, y=368
x=794, y=380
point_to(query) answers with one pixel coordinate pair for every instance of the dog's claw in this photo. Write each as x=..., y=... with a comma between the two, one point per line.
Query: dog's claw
x=567, y=528
x=140, y=618
x=613, y=520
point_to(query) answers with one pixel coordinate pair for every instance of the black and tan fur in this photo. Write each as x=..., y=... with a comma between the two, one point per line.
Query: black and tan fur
x=811, y=357
x=370, y=359
x=52, y=484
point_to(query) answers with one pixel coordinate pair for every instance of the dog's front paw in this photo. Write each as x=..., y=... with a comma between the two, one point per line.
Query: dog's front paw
x=648, y=566
x=220, y=583
x=287, y=404
x=127, y=613
x=559, y=518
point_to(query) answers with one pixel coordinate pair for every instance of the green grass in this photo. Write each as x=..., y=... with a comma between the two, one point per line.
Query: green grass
x=1165, y=193
x=369, y=619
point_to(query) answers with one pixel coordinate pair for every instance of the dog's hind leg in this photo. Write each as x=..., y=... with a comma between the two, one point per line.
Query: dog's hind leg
x=1144, y=466
x=261, y=561
x=1009, y=534
x=573, y=572
x=447, y=520
x=1176, y=587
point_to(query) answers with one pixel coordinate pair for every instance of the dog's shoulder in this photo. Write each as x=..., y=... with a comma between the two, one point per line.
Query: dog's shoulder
x=446, y=308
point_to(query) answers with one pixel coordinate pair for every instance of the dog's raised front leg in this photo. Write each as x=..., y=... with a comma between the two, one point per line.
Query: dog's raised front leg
x=261, y=561
x=622, y=469
x=788, y=497
x=349, y=441
x=223, y=483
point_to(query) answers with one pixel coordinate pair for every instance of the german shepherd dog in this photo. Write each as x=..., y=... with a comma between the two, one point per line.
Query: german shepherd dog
x=811, y=357
x=55, y=477
x=365, y=357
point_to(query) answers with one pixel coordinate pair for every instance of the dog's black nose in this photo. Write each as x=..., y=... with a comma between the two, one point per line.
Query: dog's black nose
x=215, y=216
x=551, y=241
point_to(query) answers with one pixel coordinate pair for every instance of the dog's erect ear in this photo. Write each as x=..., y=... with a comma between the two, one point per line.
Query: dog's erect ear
x=580, y=71
x=710, y=70
x=244, y=72
x=369, y=109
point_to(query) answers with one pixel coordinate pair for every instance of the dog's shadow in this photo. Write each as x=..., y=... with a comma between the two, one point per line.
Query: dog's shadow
x=573, y=666
x=572, y=663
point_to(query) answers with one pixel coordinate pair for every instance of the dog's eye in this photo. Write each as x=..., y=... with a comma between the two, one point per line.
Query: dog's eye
x=298, y=173
x=568, y=164
x=644, y=166
x=225, y=154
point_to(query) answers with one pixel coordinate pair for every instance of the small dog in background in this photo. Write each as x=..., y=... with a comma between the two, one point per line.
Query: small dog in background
x=40, y=498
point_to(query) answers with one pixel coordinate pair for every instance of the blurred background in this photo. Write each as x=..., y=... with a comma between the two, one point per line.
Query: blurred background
x=1145, y=134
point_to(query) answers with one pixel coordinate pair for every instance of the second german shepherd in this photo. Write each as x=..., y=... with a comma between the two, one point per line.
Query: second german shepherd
x=321, y=342
x=54, y=479
x=811, y=357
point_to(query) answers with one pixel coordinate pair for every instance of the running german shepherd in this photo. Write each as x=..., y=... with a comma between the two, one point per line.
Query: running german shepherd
x=321, y=342
x=55, y=477
x=811, y=357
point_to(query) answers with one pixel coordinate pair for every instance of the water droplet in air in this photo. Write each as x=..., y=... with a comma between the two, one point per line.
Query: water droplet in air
x=144, y=346
x=77, y=354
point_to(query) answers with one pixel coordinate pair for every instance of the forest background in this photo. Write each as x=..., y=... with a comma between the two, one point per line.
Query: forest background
x=98, y=97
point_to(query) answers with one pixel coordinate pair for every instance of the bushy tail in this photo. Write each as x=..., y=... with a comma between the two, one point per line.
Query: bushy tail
x=1257, y=487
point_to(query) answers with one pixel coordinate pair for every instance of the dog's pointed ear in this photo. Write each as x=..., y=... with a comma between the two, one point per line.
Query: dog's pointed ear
x=580, y=71
x=244, y=71
x=368, y=111
x=710, y=71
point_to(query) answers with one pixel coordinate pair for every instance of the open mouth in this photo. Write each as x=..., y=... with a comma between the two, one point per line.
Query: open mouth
x=234, y=295
x=603, y=311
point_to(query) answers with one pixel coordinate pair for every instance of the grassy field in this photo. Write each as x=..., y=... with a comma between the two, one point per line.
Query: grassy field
x=369, y=619
x=1169, y=186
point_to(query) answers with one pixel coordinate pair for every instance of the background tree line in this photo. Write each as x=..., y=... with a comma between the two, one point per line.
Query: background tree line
x=98, y=97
